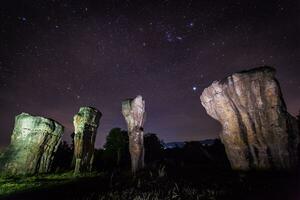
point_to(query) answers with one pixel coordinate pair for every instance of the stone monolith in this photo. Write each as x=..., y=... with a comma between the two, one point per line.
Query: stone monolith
x=133, y=111
x=33, y=145
x=86, y=123
x=258, y=132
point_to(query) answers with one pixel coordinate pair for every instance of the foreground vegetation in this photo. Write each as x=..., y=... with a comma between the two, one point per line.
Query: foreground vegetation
x=18, y=184
x=193, y=172
x=165, y=183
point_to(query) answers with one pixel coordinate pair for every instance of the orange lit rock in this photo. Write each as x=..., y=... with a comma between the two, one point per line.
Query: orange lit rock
x=258, y=132
x=133, y=111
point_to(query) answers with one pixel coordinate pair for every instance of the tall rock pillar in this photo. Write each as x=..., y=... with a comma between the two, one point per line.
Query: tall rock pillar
x=258, y=132
x=86, y=122
x=133, y=111
x=33, y=145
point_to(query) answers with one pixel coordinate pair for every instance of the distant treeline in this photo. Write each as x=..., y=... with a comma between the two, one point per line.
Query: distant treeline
x=115, y=153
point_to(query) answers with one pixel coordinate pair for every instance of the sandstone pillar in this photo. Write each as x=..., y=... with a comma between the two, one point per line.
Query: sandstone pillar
x=33, y=144
x=258, y=132
x=133, y=111
x=86, y=122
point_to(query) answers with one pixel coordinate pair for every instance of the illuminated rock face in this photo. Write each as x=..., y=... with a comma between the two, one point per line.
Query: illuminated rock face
x=133, y=111
x=258, y=132
x=33, y=144
x=86, y=122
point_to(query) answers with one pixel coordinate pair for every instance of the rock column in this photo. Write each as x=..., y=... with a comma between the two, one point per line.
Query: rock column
x=86, y=122
x=33, y=145
x=258, y=132
x=133, y=111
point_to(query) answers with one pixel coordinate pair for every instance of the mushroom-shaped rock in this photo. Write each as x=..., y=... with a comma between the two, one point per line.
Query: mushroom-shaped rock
x=258, y=132
x=133, y=111
x=86, y=122
x=33, y=145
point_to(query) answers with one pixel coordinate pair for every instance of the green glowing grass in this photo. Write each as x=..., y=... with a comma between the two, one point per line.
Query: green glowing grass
x=10, y=185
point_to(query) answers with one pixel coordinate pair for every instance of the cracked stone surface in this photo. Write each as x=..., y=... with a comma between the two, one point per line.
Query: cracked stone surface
x=86, y=123
x=133, y=111
x=33, y=145
x=258, y=132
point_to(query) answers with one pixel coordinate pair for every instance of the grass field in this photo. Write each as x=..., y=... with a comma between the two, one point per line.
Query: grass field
x=178, y=183
x=18, y=184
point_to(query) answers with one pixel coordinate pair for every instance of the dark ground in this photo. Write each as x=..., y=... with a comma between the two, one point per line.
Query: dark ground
x=181, y=182
x=170, y=174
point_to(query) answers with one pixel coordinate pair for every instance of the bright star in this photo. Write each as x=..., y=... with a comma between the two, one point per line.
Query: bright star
x=191, y=24
x=194, y=88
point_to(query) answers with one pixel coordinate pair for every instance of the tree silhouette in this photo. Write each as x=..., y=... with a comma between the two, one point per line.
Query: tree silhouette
x=298, y=119
x=116, y=146
x=63, y=157
x=153, y=147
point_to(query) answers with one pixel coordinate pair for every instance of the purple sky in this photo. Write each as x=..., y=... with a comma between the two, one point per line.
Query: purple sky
x=56, y=56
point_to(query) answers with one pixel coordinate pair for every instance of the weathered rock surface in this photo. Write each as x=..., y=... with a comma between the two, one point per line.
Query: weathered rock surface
x=258, y=132
x=33, y=144
x=133, y=111
x=86, y=123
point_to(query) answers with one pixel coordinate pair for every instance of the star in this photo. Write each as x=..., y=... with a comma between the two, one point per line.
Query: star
x=116, y=53
x=191, y=24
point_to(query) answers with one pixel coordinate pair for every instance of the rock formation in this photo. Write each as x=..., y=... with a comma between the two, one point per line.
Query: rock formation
x=33, y=144
x=86, y=122
x=133, y=111
x=258, y=132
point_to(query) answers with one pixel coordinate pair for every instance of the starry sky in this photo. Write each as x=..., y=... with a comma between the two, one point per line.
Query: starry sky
x=56, y=56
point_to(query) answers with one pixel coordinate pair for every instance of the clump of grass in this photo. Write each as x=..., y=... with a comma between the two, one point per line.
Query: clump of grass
x=14, y=184
x=176, y=192
x=9, y=185
x=147, y=186
x=9, y=188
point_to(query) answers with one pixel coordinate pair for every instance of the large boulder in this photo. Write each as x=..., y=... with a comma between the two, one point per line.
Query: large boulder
x=133, y=111
x=86, y=123
x=258, y=132
x=33, y=145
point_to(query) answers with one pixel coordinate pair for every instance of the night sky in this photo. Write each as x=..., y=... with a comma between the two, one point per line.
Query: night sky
x=56, y=56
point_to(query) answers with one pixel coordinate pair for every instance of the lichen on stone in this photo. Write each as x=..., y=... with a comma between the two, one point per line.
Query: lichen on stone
x=33, y=145
x=86, y=123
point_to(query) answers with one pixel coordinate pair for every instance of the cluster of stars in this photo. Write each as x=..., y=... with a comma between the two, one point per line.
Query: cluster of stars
x=64, y=54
